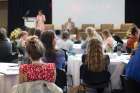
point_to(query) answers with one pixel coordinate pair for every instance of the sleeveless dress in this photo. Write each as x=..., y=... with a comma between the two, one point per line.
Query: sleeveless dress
x=35, y=72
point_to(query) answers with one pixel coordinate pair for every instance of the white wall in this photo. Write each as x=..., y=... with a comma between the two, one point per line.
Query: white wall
x=89, y=11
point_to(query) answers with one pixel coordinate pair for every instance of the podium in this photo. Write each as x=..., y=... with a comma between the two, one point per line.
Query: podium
x=30, y=22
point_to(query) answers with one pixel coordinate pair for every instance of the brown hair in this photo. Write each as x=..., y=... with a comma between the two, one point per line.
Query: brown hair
x=23, y=33
x=134, y=30
x=106, y=33
x=3, y=34
x=65, y=35
x=47, y=39
x=90, y=32
x=34, y=48
x=94, y=59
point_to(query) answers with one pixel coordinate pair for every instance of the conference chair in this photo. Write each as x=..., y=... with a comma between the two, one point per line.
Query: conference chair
x=39, y=86
x=61, y=79
x=49, y=27
x=84, y=26
x=107, y=26
x=126, y=27
x=129, y=85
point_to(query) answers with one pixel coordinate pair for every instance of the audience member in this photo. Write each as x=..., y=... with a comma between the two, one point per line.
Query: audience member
x=119, y=43
x=65, y=43
x=133, y=38
x=58, y=34
x=37, y=70
x=133, y=66
x=58, y=37
x=91, y=33
x=109, y=43
x=31, y=31
x=4, y=31
x=21, y=42
x=52, y=54
x=117, y=39
x=5, y=47
x=83, y=38
x=94, y=69
x=37, y=33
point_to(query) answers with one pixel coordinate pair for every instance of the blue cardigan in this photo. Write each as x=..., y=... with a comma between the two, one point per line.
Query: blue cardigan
x=133, y=67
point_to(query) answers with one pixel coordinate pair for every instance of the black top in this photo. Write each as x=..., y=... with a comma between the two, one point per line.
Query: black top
x=94, y=78
x=6, y=51
x=5, y=48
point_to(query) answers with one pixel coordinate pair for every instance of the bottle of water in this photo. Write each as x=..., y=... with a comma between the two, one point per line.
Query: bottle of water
x=20, y=58
x=119, y=49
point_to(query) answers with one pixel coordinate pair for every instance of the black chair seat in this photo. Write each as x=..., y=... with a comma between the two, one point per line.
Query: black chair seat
x=61, y=78
x=130, y=86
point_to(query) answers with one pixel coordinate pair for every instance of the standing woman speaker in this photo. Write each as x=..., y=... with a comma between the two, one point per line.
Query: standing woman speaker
x=40, y=21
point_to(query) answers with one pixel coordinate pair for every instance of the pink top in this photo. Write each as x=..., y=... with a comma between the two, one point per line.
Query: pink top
x=109, y=43
x=39, y=71
x=40, y=22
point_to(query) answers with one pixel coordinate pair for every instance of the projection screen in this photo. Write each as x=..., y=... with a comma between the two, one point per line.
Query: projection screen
x=89, y=11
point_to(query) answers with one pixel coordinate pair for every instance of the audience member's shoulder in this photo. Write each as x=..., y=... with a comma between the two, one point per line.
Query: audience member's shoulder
x=23, y=67
x=49, y=65
x=60, y=51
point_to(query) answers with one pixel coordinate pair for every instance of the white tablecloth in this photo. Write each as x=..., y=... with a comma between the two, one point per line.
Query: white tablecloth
x=8, y=76
x=116, y=68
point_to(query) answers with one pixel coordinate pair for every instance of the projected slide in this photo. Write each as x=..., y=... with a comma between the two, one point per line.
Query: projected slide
x=89, y=11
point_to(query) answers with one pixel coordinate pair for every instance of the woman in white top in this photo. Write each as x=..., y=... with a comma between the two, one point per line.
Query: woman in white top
x=91, y=33
x=109, y=43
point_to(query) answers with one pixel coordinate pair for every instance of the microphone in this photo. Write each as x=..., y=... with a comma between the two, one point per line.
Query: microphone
x=27, y=13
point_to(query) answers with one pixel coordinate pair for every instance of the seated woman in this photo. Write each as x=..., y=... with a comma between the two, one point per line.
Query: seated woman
x=133, y=67
x=119, y=43
x=133, y=38
x=65, y=43
x=52, y=54
x=5, y=47
x=94, y=69
x=21, y=42
x=37, y=70
x=109, y=43
x=91, y=33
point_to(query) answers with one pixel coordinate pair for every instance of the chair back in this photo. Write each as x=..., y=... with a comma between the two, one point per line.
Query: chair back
x=61, y=78
x=107, y=26
x=36, y=87
x=84, y=26
x=126, y=27
x=130, y=86
x=49, y=27
x=66, y=54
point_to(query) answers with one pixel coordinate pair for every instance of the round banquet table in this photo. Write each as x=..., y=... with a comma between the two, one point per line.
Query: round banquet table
x=8, y=76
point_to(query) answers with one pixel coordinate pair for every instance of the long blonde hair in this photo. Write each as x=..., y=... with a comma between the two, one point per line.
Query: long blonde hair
x=95, y=58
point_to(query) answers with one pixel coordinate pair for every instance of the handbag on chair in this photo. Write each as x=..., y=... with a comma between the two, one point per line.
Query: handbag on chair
x=81, y=88
x=78, y=89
